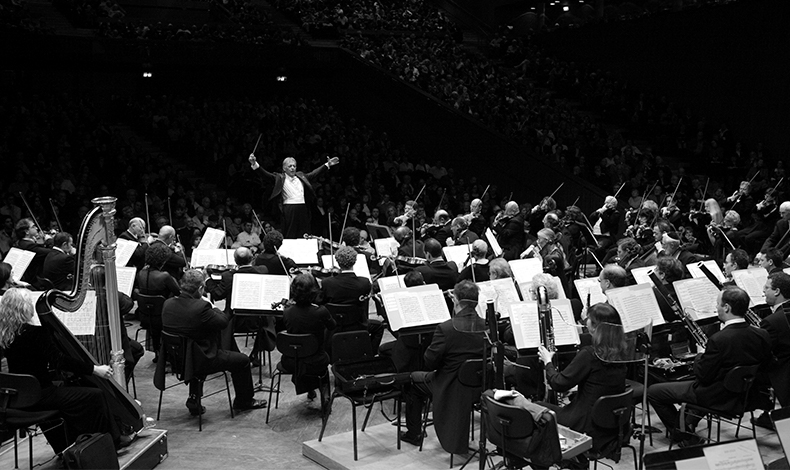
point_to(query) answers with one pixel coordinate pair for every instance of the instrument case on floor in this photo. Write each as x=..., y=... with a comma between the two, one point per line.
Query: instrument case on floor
x=151, y=454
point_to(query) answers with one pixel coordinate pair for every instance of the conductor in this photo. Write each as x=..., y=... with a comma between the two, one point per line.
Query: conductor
x=297, y=192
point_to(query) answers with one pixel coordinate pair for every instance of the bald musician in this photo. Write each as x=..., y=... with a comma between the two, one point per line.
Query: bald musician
x=780, y=237
x=176, y=262
x=461, y=233
x=296, y=191
x=136, y=233
x=606, y=225
x=475, y=218
x=479, y=263
x=509, y=230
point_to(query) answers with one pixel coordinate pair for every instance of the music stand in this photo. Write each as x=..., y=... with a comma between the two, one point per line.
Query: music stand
x=376, y=231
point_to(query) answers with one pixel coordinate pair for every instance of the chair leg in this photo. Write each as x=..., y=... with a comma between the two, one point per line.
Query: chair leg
x=754, y=431
x=354, y=424
x=230, y=400
x=159, y=408
x=636, y=464
x=271, y=390
x=323, y=425
x=269, y=353
x=277, y=397
x=134, y=386
x=30, y=449
x=738, y=427
x=200, y=414
x=16, y=450
x=367, y=415
x=451, y=459
x=398, y=405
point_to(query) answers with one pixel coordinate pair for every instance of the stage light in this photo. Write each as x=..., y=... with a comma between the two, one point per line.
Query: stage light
x=566, y=8
x=281, y=78
x=147, y=75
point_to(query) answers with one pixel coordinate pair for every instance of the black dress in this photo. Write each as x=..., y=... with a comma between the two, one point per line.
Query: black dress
x=314, y=320
x=84, y=409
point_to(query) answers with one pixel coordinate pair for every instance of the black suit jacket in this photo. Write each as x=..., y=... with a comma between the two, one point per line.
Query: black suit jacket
x=610, y=221
x=59, y=268
x=452, y=402
x=37, y=264
x=735, y=345
x=279, y=180
x=175, y=263
x=443, y=273
x=510, y=236
x=138, y=257
x=346, y=288
x=777, y=324
x=195, y=318
x=781, y=228
x=273, y=264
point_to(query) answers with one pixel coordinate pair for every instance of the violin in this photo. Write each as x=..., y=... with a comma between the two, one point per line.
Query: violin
x=212, y=269
x=411, y=260
x=281, y=304
x=317, y=272
x=334, y=245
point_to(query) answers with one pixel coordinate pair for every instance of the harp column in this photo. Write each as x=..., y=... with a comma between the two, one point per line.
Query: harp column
x=107, y=205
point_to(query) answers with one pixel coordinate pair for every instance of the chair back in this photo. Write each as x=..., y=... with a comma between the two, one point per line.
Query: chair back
x=149, y=305
x=297, y=346
x=470, y=374
x=351, y=346
x=613, y=411
x=740, y=378
x=175, y=348
x=18, y=391
x=509, y=421
x=347, y=314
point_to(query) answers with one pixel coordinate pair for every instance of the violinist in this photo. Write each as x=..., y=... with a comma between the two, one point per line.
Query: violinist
x=440, y=229
x=509, y=229
x=59, y=263
x=641, y=231
x=673, y=248
x=628, y=251
x=606, y=224
x=461, y=235
x=536, y=215
x=764, y=217
x=544, y=246
x=438, y=271
x=736, y=259
x=670, y=212
x=352, y=237
x=475, y=218
x=29, y=238
x=176, y=262
x=135, y=232
x=223, y=289
x=720, y=236
x=408, y=246
x=741, y=201
x=154, y=280
x=274, y=262
x=780, y=236
x=410, y=211
x=347, y=288
x=479, y=263
x=711, y=214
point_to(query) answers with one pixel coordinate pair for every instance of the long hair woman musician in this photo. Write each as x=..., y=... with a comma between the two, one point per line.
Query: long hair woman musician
x=31, y=350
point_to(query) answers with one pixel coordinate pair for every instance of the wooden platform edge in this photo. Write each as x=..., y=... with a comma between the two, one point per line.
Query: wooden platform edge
x=310, y=452
x=146, y=452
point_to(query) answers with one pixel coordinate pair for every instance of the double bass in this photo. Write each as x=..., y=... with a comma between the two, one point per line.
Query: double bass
x=92, y=233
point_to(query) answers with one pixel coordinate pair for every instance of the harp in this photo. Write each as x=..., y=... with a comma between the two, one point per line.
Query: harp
x=96, y=235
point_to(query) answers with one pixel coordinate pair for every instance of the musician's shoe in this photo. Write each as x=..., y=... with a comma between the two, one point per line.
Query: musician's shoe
x=764, y=421
x=255, y=360
x=686, y=439
x=311, y=395
x=255, y=404
x=125, y=440
x=193, y=407
x=412, y=439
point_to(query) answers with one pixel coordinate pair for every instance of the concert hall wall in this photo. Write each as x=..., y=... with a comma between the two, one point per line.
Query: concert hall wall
x=726, y=62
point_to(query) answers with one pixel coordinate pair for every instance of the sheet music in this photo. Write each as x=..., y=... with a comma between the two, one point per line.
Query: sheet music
x=385, y=246
x=361, y=268
x=565, y=333
x=637, y=306
x=741, y=455
x=19, y=261
x=591, y=285
x=525, y=269
x=218, y=256
x=502, y=291
x=526, y=324
x=752, y=281
x=301, y=250
x=391, y=282
x=415, y=306
x=493, y=243
x=83, y=321
x=712, y=266
x=124, y=249
x=457, y=253
x=697, y=296
x=258, y=291
x=642, y=275
x=211, y=239
x=32, y=297
x=126, y=276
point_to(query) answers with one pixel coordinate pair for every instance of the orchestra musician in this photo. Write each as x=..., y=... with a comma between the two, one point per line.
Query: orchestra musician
x=741, y=201
x=544, y=246
x=29, y=238
x=509, y=230
x=538, y=213
x=777, y=324
x=479, y=263
x=59, y=264
x=193, y=316
x=475, y=218
x=780, y=236
x=606, y=224
x=274, y=262
x=764, y=217
x=32, y=350
x=628, y=256
x=176, y=261
x=296, y=192
x=154, y=280
x=596, y=370
x=305, y=317
x=461, y=235
x=736, y=259
x=408, y=246
x=404, y=220
x=135, y=232
x=223, y=289
x=452, y=402
x=668, y=270
x=440, y=229
x=438, y=271
x=770, y=260
x=346, y=288
x=736, y=344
